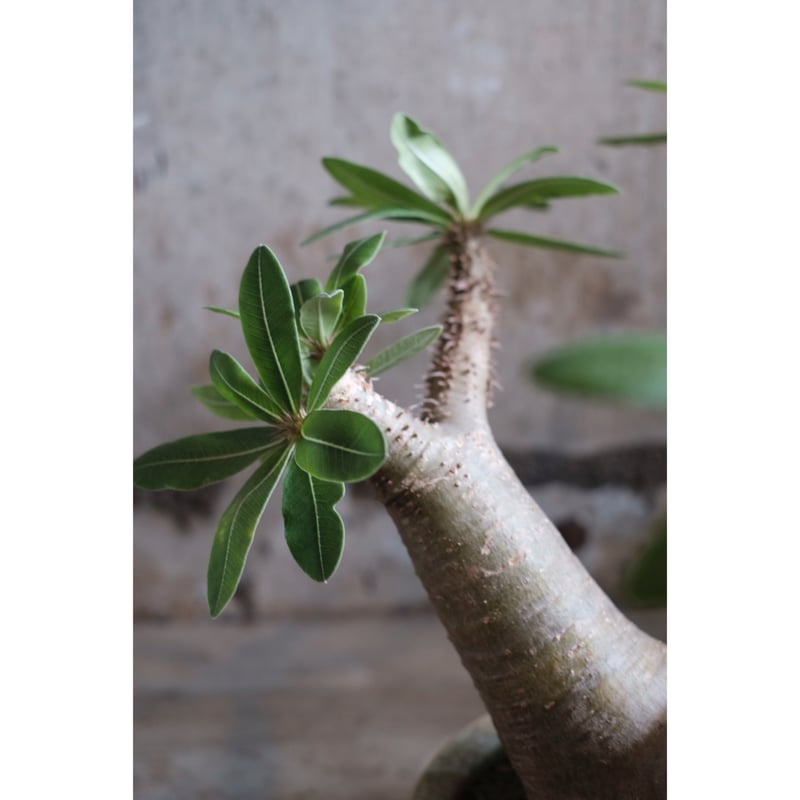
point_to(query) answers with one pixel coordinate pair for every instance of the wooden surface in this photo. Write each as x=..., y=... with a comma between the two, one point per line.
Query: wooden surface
x=297, y=709
x=289, y=710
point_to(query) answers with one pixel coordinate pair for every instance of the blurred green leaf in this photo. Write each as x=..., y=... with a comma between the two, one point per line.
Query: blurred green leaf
x=372, y=189
x=646, y=580
x=313, y=528
x=355, y=300
x=542, y=190
x=518, y=237
x=621, y=367
x=405, y=241
x=425, y=160
x=506, y=172
x=319, y=315
x=229, y=312
x=236, y=528
x=402, y=350
x=197, y=461
x=344, y=350
x=356, y=255
x=396, y=314
x=384, y=212
x=232, y=381
x=635, y=138
x=340, y=445
x=653, y=86
x=219, y=405
x=270, y=328
x=430, y=278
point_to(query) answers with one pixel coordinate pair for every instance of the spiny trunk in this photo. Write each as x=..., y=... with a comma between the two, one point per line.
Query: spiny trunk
x=576, y=692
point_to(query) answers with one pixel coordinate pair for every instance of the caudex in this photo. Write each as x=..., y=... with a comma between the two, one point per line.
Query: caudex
x=576, y=692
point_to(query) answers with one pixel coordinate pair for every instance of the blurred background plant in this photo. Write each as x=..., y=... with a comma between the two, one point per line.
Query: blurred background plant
x=623, y=368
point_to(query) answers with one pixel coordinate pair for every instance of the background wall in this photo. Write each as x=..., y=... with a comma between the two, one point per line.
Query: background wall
x=235, y=104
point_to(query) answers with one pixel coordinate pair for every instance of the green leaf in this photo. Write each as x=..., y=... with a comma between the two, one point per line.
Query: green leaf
x=402, y=349
x=622, y=367
x=396, y=314
x=305, y=290
x=231, y=380
x=646, y=580
x=385, y=212
x=635, y=138
x=405, y=241
x=430, y=278
x=197, y=461
x=236, y=528
x=518, y=237
x=508, y=170
x=344, y=350
x=313, y=528
x=270, y=329
x=340, y=445
x=230, y=312
x=352, y=202
x=355, y=300
x=214, y=401
x=543, y=189
x=319, y=315
x=424, y=159
x=356, y=255
x=653, y=86
x=372, y=188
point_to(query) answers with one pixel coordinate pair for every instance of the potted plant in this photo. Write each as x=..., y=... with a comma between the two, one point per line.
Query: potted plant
x=576, y=692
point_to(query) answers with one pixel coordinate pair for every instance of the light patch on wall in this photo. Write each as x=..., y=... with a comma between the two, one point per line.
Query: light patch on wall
x=478, y=75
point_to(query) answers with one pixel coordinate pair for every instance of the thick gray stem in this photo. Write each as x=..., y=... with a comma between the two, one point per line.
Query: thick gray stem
x=576, y=692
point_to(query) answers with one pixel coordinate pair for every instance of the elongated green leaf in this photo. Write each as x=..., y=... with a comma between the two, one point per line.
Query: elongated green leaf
x=543, y=189
x=231, y=380
x=344, y=350
x=356, y=255
x=653, y=86
x=270, y=329
x=384, y=212
x=402, y=350
x=505, y=173
x=405, y=241
x=352, y=202
x=236, y=528
x=319, y=315
x=622, y=367
x=518, y=237
x=396, y=314
x=430, y=278
x=635, y=138
x=313, y=528
x=424, y=159
x=221, y=406
x=373, y=187
x=355, y=300
x=305, y=290
x=197, y=461
x=340, y=445
x=230, y=312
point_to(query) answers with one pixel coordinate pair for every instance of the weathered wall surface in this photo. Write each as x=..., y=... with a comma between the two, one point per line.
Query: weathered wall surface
x=236, y=102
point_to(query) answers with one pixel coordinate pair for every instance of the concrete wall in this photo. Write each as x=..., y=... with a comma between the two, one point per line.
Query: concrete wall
x=235, y=104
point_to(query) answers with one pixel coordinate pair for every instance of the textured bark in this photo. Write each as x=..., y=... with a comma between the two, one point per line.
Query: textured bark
x=576, y=692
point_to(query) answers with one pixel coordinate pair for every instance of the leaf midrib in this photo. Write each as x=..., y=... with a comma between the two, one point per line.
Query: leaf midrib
x=229, y=536
x=289, y=394
x=201, y=459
